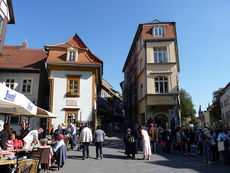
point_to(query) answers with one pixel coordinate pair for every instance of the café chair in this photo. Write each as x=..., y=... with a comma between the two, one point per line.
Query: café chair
x=27, y=166
x=36, y=155
x=45, y=157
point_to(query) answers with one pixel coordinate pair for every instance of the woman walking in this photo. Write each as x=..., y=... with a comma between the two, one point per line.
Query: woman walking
x=145, y=143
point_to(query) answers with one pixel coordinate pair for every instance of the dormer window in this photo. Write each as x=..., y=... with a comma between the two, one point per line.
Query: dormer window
x=72, y=54
x=158, y=31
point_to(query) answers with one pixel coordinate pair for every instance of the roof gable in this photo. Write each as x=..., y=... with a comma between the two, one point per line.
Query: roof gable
x=57, y=52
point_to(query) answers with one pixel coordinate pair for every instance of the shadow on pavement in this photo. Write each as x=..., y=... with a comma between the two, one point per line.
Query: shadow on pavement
x=110, y=156
x=75, y=157
x=189, y=162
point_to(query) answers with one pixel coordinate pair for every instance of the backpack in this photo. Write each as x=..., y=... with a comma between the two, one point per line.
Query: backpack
x=130, y=138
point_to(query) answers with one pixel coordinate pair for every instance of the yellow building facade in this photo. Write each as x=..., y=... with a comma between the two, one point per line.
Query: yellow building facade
x=151, y=71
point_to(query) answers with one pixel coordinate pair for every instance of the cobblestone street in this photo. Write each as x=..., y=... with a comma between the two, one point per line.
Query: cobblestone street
x=115, y=161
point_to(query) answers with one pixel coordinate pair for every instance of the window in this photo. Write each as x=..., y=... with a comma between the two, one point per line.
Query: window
x=72, y=54
x=1, y=23
x=141, y=65
x=15, y=120
x=160, y=55
x=161, y=85
x=158, y=31
x=26, y=86
x=10, y=83
x=71, y=117
x=73, y=85
x=141, y=91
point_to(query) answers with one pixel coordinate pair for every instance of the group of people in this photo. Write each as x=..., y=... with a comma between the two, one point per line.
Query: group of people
x=148, y=138
x=10, y=142
x=186, y=140
x=86, y=138
x=83, y=135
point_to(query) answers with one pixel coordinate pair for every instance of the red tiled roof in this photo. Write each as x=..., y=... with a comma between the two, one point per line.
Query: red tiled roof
x=20, y=57
x=85, y=56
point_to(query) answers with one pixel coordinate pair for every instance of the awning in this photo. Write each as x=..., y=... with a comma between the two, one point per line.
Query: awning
x=15, y=103
x=42, y=113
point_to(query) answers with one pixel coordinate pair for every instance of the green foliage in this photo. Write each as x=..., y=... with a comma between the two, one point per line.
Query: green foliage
x=215, y=112
x=71, y=91
x=187, y=107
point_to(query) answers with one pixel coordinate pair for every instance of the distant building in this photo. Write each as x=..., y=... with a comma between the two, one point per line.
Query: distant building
x=75, y=79
x=110, y=106
x=151, y=85
x=207, y=120
x=6, y=17
x=23, y=70
x=225, y=106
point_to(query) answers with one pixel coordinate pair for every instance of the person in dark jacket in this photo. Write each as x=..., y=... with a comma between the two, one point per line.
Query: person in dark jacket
x=129, y=141
x=58, y=131
x=167, y=139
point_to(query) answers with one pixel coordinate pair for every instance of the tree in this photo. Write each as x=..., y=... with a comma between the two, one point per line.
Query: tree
x=215, y=110
x=187, y=107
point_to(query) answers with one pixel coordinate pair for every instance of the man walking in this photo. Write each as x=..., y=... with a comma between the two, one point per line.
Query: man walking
x=85, y=139
x=99, y=136
x=153, y=133
x=73, y=132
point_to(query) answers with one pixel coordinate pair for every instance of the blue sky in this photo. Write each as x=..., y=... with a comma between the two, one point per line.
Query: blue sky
x=107, y=27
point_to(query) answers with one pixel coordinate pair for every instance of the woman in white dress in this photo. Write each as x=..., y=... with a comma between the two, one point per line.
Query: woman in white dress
x=145, y=143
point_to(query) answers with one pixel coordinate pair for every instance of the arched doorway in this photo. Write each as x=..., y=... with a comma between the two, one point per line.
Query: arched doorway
x=161, y=120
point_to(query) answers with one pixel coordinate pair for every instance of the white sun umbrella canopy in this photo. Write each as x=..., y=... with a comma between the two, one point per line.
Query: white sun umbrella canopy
x=15, y=103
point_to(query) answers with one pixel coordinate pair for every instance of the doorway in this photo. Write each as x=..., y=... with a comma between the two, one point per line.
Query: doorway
x=161, y=120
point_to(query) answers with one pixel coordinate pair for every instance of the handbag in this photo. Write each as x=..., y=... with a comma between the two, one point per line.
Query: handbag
x=220, y=146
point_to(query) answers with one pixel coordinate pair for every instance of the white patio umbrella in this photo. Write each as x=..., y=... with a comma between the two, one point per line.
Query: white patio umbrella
x=15, y=103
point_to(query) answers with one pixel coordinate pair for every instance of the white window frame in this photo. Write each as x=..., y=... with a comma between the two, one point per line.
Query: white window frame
x=164, y=86
x=160, y=55
x=158, y=31
x=10, y=78
x=72, y=55
x=31, y=87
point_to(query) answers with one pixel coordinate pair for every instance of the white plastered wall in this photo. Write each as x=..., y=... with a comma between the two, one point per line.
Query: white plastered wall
x=84, y=101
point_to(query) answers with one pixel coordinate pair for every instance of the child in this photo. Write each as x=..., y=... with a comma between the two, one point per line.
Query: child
x=10, y=143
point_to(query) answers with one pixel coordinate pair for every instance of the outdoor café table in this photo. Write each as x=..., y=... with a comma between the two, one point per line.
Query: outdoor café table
x=4, y=161
x=8, y=162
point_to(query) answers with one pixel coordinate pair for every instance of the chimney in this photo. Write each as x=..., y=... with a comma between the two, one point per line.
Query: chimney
x=25, y=45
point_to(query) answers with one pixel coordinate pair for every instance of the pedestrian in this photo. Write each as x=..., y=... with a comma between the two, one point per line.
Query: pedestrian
x=166, y=137
x=99, y=136
x=85, y=139
x=214, y=148
x=145, y=143
x=206, y=146
x=129, y=144
x=73, y=133
x=153, y=133
x=179, y=141
x=224, y=139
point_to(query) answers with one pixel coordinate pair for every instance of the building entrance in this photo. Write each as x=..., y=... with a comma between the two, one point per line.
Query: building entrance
x=161, y=121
